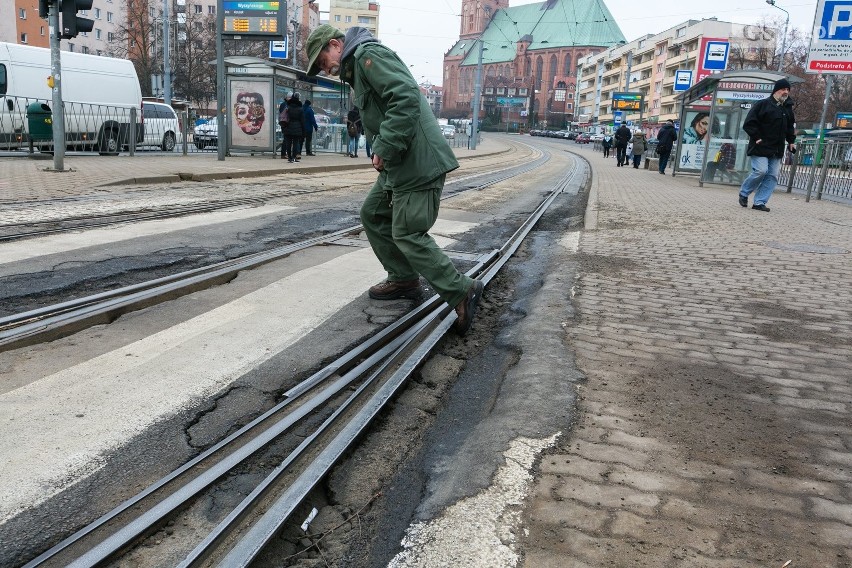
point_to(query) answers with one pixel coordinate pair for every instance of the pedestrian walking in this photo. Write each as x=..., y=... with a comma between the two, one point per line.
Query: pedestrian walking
x=622, y=138
x=309, y=125
x=770, y=125
x=638, y=149
x=665, y=143
x=353, y=130
x=294, y=130
x=412, y=158
x=606, y=143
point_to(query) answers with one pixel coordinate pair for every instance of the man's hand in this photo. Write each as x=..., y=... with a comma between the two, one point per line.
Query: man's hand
x=758, y=141
x=378, y=163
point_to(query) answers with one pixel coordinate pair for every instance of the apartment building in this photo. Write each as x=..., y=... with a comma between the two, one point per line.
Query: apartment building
x=434, y=95
x=345, y=14
x=648, y=66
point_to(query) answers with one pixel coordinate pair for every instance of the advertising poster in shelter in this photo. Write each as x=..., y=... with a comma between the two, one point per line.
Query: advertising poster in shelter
x=252, y=115
x=693, y=136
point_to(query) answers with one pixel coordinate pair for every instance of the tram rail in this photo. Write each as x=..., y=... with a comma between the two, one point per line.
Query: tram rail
x=376, y=370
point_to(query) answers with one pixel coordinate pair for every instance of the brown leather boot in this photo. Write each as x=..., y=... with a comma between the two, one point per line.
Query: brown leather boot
x=392, y=290
x=467, y=308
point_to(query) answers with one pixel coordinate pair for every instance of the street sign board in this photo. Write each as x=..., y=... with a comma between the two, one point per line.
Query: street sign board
x=831, y=43
x=843, y=120
x=278, y=49
x=712, y=58
x=618, y=116
x=627, y=101
x=253, y=18
x=683, y=80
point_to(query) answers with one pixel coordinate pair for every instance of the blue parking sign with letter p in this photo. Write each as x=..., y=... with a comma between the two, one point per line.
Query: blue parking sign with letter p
x=836, y=21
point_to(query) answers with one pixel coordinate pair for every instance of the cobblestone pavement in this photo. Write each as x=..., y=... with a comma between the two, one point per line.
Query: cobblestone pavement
x=23, y=179
x=713, y=428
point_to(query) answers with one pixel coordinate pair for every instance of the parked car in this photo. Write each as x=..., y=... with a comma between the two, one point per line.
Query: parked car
x=161, y=126
x=449, y=131
x=206, y=134
x=572, y=135
x=584, y=138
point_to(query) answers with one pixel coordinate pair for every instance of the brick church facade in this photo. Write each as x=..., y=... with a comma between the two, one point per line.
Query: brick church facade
x=529, y=58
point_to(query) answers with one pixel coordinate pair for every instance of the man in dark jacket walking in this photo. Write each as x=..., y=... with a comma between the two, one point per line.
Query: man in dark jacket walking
x=310, y=126
x=771, y=127
x=293, y=130
x=412, y=158
x=622, y=137
x=665, y=142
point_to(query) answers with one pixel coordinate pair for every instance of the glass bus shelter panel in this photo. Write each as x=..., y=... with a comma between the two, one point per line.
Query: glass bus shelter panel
x=727, y=158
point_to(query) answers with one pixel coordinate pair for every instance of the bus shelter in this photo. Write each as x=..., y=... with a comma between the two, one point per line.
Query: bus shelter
x=711, y=141
x=255, y=89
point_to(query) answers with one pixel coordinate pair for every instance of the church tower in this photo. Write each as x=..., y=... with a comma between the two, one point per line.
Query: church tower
x=476, y=14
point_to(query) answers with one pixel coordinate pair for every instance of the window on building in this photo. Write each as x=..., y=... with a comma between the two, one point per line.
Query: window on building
x=109, y=16
x=569, y=106
x=132, y=43
x=23, y=13
x=41, y=30
x=642, y=43
x=198, y=8
x=84, y=49
x=659, y=67
x=348, y=19
x=337, y=17
x=197, y=44
x=211, y=27
x=97, y=13
x=24, y=38
x=681, y=32
x=84, y=34
x=151, y=12
x=99, y=52
x=658, y=86
x=97, y=34
x=364, y=20
x=211, y=10
x=70, y=47
x=110, y=36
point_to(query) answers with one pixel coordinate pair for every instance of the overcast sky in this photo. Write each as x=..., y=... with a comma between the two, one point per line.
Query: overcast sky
x=422, y=31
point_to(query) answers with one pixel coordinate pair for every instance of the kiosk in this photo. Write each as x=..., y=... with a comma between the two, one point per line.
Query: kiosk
x=711, y=141
x=255, y=89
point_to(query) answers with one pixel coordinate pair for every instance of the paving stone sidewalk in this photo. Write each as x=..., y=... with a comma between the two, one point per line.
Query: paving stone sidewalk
x=714, y=426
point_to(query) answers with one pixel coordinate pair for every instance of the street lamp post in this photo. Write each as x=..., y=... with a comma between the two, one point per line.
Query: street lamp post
x=784, y=37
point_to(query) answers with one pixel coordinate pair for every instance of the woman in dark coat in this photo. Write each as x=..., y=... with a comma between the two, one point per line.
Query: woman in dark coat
x=293, y=130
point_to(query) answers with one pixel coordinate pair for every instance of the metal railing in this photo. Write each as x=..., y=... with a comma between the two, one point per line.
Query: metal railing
x=819, y=171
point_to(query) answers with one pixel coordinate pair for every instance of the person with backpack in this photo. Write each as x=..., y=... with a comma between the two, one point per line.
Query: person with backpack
x=622, y=138
x=293, y=130
x=665, y=143
x=353, y=130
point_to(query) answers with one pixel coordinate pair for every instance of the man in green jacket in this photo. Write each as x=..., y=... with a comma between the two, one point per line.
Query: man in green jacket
x=412, y=158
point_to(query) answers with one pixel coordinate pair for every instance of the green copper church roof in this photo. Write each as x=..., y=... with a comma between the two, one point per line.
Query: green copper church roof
x=548, y=25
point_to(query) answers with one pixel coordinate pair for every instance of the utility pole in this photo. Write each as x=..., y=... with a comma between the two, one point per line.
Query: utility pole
x=56, y=88
x=167, y=70
x=477, y=91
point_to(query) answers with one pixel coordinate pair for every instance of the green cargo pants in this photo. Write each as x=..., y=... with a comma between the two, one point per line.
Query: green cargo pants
x=397, y=226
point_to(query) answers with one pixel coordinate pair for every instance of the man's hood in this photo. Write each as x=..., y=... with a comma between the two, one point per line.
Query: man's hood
x=354, y=37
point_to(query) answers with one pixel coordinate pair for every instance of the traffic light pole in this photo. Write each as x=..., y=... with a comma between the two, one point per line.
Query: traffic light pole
x=56, y=77
x=221, y=125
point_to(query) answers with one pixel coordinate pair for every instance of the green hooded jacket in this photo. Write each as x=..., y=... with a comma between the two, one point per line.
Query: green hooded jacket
x=396, y=118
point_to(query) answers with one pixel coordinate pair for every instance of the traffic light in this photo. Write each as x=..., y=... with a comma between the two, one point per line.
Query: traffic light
x=72, y=24
x=44, y=8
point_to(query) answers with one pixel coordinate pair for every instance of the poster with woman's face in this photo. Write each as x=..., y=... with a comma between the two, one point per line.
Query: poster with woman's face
x=252, y=118
x=693, y=136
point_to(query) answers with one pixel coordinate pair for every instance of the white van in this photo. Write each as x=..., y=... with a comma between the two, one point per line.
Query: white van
x=97, y=92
